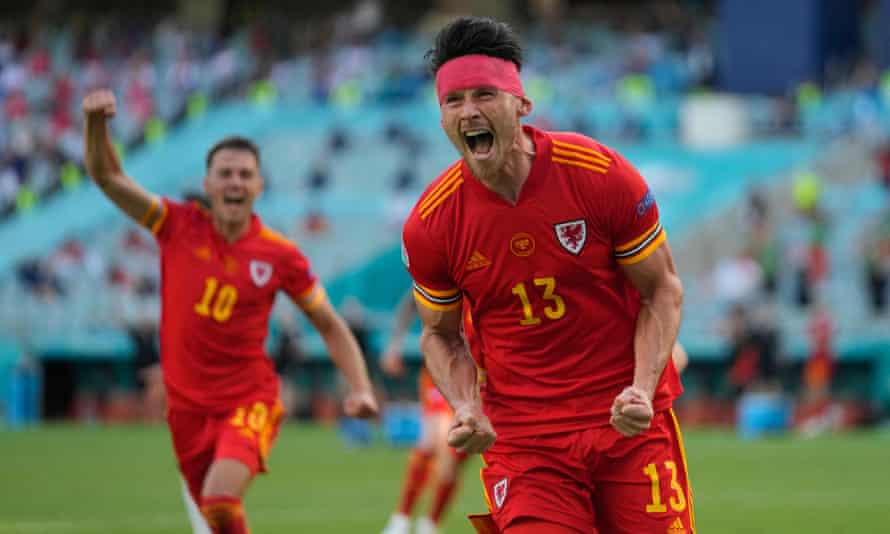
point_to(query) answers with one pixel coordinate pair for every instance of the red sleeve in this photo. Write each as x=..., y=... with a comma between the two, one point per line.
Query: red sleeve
x=297, y=278
x=634, y=224
x=164, y=217
x=433, y=286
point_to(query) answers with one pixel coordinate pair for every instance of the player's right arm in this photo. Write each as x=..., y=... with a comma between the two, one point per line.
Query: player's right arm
x=454, y=372
x=102, y=162
x=439, y=305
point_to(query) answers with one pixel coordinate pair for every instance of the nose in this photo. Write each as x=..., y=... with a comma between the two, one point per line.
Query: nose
x=468, y=109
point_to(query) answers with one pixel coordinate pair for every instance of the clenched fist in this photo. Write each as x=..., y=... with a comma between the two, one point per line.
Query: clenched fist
x=100, y=104
x=471, y=432
x=632, y=412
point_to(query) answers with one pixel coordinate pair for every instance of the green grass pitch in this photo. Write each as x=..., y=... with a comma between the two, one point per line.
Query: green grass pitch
x=68, y=479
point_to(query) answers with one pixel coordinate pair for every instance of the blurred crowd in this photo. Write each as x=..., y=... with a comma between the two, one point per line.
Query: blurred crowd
x=634, y=65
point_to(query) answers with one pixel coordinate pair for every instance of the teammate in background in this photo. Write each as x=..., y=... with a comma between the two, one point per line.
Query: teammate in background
x=220, y=271
x=432, y=453
x=554, y=243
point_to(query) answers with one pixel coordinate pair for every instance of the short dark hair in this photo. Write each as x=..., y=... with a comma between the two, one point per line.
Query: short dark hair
x=234, y=142
x=474, y=35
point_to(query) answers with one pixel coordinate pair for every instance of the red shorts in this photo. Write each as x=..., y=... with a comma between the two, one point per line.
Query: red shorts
x=246, y=434
x=594, y=481
x=431, y=399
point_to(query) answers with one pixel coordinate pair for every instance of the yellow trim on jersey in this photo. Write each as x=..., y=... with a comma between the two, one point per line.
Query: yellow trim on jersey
x=318, y=295
x=646, y=251
x=484, y=487
x=421, y=299
x=271, y=235
x=570, y=154
x=444, y=196
x=631, y=244
x=685, y=469
x=442, y=293
x=601, y=170
x=434, y=192
x=159, y=223
x=151, y=211
x=604, y=159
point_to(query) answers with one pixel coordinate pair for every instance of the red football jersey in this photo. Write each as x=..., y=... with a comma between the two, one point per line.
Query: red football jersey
x=216, y=298
x=553, y=312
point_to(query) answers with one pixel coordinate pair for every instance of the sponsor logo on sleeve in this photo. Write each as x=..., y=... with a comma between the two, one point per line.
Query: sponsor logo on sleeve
x=645, y=203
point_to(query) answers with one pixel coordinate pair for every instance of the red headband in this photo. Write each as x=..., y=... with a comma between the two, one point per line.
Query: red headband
x=477, y=70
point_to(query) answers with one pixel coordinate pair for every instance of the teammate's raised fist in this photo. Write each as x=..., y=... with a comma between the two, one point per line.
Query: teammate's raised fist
x=100, y=103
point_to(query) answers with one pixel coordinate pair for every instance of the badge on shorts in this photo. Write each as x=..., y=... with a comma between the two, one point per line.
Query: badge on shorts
x=572, y=235
x=260, y=272
x=500, y=492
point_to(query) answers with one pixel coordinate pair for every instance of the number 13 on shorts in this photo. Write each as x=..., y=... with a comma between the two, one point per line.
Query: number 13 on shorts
x=677, y=499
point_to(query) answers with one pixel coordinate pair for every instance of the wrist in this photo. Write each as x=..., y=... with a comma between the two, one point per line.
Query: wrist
x=647, y=389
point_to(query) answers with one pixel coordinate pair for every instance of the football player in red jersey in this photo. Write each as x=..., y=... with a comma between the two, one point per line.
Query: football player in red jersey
x=553, y=241
x=220, y=271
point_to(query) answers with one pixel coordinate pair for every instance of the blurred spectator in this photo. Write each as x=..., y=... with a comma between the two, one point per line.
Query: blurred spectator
x=877, y=262
x=883, y=160
x=816, y=412
x=319, y=178
x=754, y=349
x=338, y=140
x=316, y=223
x=810, y=256
x=762, y=242
x=737, y=279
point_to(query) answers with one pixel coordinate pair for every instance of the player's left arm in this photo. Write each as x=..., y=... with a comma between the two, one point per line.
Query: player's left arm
x=661, y=294
x=343, y=350
x=642, y=251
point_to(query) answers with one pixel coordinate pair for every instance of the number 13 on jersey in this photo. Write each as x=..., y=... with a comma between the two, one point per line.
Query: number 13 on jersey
x=554, y=310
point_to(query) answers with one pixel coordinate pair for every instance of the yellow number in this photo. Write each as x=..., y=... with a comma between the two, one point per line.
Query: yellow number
x=556, y=311
x=549, y=284
x=237, y=420
x=256, y=421
x=678, y=504
x=203, y=306
x=224, y=303
x=657, y=505
x=528, y=317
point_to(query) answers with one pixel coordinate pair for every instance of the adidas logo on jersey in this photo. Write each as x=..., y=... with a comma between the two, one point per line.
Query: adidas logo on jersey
x=477, y=261
x=676, y=527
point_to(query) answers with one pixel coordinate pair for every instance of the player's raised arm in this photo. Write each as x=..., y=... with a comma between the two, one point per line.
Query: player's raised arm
x=102, y=162
x=454, y=372
x=661, y=292
x=344, y=351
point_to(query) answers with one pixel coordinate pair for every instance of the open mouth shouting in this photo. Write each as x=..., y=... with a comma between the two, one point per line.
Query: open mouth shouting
x=234, y=199
x=480, y=142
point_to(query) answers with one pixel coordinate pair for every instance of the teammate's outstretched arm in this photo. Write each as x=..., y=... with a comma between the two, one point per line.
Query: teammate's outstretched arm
x=102, y=162
x=657, y=325
x=344, y=351
x=454, y=372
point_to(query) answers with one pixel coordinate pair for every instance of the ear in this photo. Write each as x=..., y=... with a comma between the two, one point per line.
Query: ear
x=525, y=106
x=206, y=184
